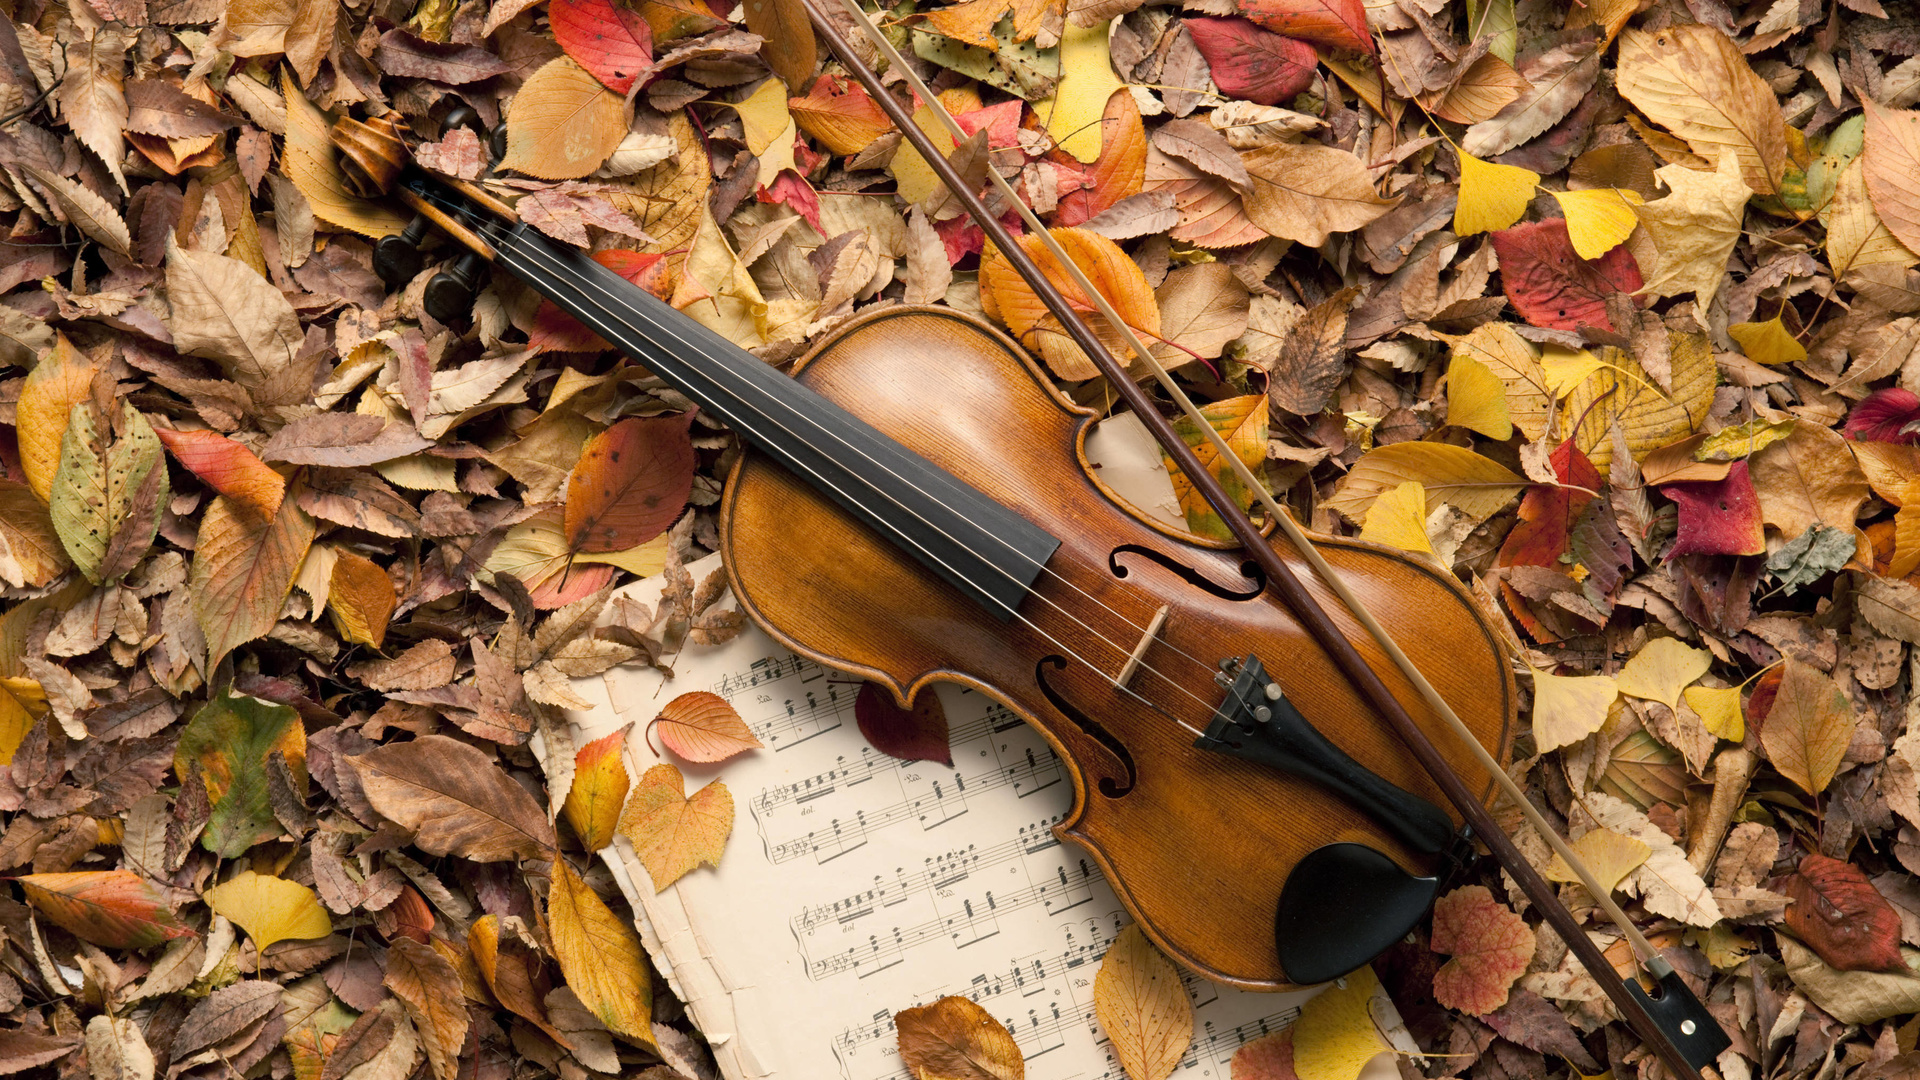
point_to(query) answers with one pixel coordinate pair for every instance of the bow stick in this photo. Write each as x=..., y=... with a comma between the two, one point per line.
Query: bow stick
x=1664, y=1021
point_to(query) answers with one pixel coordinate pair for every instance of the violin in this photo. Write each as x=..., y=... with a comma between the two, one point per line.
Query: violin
x=917, y=505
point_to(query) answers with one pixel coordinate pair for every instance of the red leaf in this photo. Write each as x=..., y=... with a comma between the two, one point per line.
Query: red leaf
x=228, y=468
x=115, y=909
x=1548, y=514
x=1269, y=1057
x=556, y=331
x=608, y=39
x=1890, y=415
x=917, y=734
x=1490, y=946
x=1120, y=170
x=1719, y=517
x=1337, y=24
x=1551, y=286
x=702, y=727
x=793, y=190
x=1841, y=916
x=1002, y=123
x=1253, y=64
x=630, y=483
x=580, y=581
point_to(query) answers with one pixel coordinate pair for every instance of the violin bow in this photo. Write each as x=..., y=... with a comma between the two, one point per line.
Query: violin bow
x=1665, y=1021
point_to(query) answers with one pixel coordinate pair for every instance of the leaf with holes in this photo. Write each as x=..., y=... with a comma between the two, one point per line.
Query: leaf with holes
x=1549, y=283
x=109, y=492
x=115, y=909
x=1142, y=1006
x=606, y=37
x=1242, y=422
x=631, y=482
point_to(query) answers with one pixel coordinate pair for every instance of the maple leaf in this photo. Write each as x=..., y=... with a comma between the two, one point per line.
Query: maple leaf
x=1489, y=945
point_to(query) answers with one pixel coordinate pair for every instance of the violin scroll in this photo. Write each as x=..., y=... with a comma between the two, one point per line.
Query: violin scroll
x=372, y=153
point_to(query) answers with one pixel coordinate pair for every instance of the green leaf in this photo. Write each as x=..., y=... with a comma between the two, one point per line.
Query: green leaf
x=230, y=740
x=107, y=482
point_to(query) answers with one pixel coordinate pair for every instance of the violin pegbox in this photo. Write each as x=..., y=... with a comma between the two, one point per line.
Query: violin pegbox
x=372, y=153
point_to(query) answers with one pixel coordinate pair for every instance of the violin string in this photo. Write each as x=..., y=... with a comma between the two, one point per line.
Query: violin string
x=506, y=240
x=1041, y=565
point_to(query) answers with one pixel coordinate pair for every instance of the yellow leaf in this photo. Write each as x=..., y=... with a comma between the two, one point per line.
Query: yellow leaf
x=1453, y=475
x=563, y=123
x=1335, y=1036
x=601, y=956
x=1072, y=115
x=1142, y=1006
x=312, y=163
x=1242, y=422
x=1694, y=229
x=672, y=833
x=1008, y=298
x=1906, y=535
x=1598, y=219
x=1661, y=668
x=769, y=129
x=1477, y=399
x=360, y=599
x=599, y=789
x=1742, y=440
x=1398, y=518
x=1566, y=368
x=270, y=909
x=1693, y=80
x=1516, y=363
x=1719, y=710
x=1491, y=196
x=1622, y=392
x=1568, y=708
x=717, y=291
x=915, y=178
x=643, y=560
x=1856, y=237
x=1807, y=731
x=1767, y=342
x=61, y=380
x=1608, y=855
x=21, y=702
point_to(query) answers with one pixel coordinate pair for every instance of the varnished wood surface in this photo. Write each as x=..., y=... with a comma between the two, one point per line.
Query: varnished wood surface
x=1200, y=846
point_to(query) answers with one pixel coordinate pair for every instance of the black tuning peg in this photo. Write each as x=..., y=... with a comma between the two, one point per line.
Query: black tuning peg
x=397, y=258
x=467, y=117
x=449, y=296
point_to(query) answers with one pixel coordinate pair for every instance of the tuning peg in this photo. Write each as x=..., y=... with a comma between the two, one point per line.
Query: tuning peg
x=397, y=258
x=449, y=296
x=465, y=116
x=372, y=153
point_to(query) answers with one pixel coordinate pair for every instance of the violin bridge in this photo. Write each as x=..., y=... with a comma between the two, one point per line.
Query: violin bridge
x=1133, y=662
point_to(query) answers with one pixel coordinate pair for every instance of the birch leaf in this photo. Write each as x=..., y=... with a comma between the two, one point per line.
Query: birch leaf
x=1142, y=1006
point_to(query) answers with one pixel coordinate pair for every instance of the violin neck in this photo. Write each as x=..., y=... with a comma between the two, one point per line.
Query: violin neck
x=982, y=548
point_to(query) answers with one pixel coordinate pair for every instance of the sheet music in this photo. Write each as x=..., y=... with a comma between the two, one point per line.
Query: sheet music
x=855, y=885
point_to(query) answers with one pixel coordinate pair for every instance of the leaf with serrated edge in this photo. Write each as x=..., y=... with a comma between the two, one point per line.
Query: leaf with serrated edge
x=243, y=568
x=225, y=311
x=97, y=491
x=674, y=834
x=600, y=955
x=1488, y=945
x=1142, y=1006
x=430, y=989
x=457, y=801
x=115, y=909
x=86, y=211
x=956, y=1039
x=1692, y=80
x=229, y=468
x=703, y=727
x=562, y=123
x=62, y=379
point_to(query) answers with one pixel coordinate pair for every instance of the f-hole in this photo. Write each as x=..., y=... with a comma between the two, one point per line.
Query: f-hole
x=1248, y=569
x=1109, y=787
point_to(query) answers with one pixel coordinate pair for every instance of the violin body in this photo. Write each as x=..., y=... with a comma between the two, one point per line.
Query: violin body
x=1196, y=844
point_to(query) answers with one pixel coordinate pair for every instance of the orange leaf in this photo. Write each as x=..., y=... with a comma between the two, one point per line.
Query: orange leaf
x=228, y=468
x=243, y=567
x=601, y=956
x=702, y=727
x=1490, y=946
x=1119, y=171
x=61, y=380
x=509, y=968
x=839, y=113
x=1839, y=913
x=1007, y=297
x=115, y=909
x=630, y=483
x=563, y=123
x=599, y=788
x=1269, y=1057
x=360, y=599
x=671, y=833
x=955, y=1039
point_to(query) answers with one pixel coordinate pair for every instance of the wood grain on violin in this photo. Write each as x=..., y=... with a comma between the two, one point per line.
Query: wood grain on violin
x=1197, y=844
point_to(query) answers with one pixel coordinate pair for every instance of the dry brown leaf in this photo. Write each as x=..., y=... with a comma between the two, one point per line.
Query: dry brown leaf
x=455, y=800
x=1306, y=192
x=1143, y=1006
x=564, y=123
x=1808, y=729
x=1693, y=81
x=430, y=988
x=956, y=1039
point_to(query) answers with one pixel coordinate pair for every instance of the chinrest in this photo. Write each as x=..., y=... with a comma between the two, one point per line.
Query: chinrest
x=1343, y=905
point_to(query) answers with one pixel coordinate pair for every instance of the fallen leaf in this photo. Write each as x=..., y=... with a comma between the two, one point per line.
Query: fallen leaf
x=563, y=123
x=243, y=568
x=1549, y=513
x=1606, y=854
x=1808, y=728
x=1009, y=299
x=1720, y=517
x=270, y=909
x=703, y=727
x=608, y=39
x=1891, y=165
x=1842, y=917
x=1692, y=80
x=62, y=379
x=110, y=491
x=1312, y=361
x=360, y=599
x=1809, y=478
x=1253, y=64
x=1623, y=393
x=1550, y=285
x=1087, y=80
x=840, y=113
x=228, y=468
x=1768, y=342
x=1086, y=191
x=1269, y=1057
x=956, y=1039
x=1336, y=24
x=601, y=956
x=1719, y=710
x=1142, y=1006
x=789, y=48
x=1489, y=945
x=1517, y=364
x=1242, y=423
x=1666, y=884
x=1335, y=1036
x=509, y=969
x=1307, y=192
x=1453, y=475
x=1477, y=399
x=599, y=789
x=1694, y=228
x=230, y=742
x=630, y=483
x=916, y=734
x=428, y=986
x=225, y=311
x=674, y=834
x=456, y=800
x=1661, y=669
x=1598, y=219
x=1398, y=518
x=114, y=909
x=1492, y=196
x=1568, y=708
